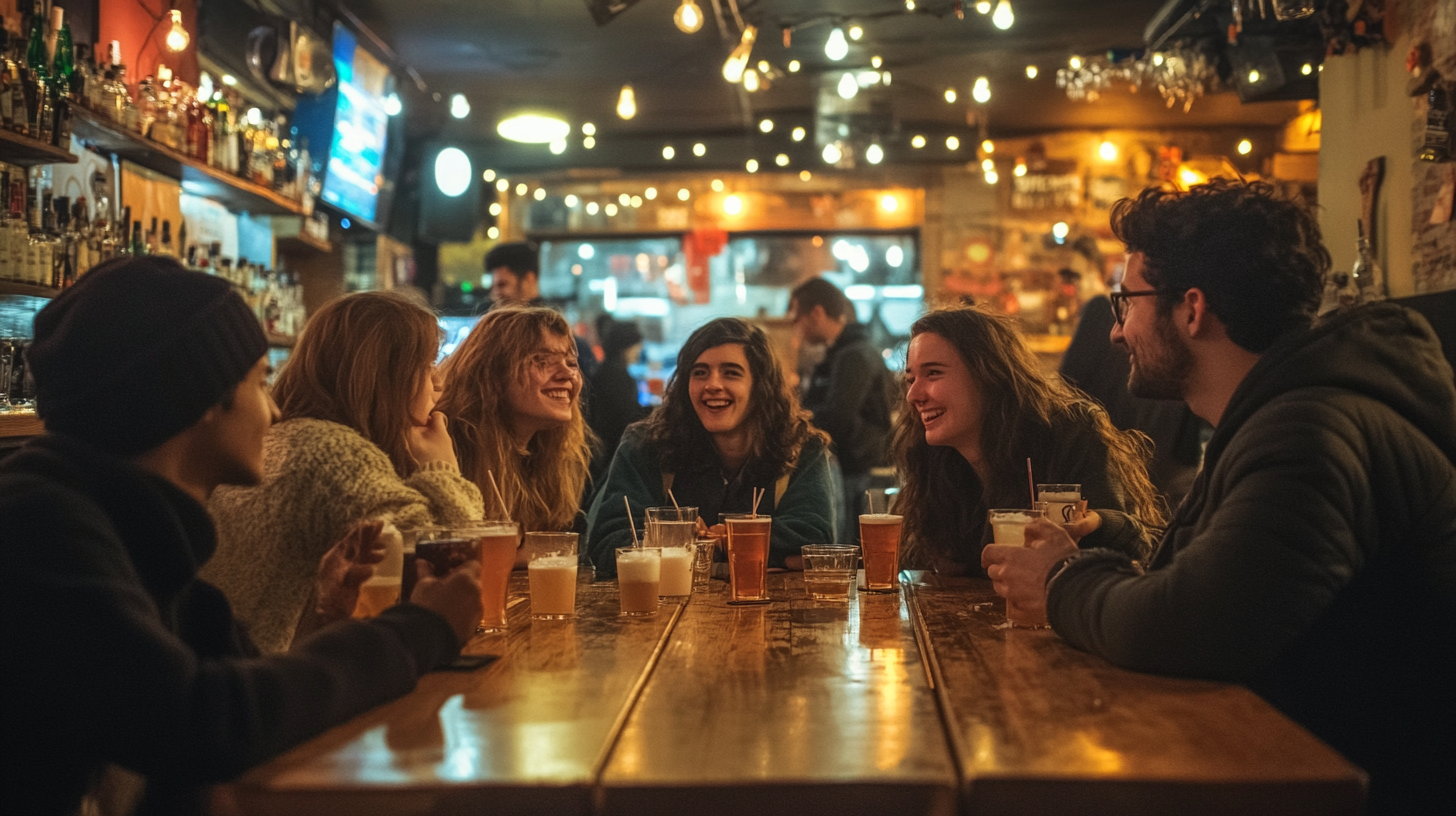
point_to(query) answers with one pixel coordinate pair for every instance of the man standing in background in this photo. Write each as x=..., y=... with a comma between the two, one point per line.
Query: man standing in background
x=515, y=278
x=849, y=392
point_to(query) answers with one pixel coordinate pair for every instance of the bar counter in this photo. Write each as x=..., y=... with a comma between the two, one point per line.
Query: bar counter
x=915, y=703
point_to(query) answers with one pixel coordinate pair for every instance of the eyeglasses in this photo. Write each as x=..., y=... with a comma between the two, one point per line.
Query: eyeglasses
x=1120, y=302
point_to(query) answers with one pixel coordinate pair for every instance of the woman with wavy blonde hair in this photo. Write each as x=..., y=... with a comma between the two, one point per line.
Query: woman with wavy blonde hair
x=513, y=395
x=359, y=439
x=977, y=408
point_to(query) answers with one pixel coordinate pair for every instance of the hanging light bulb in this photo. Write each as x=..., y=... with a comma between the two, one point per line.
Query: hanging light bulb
x=917, y=142
x=950, y=95
x=750, y=80
x=1031, y=72
x=766, y=125
x=1075, y=63
x=1020, y=169
x=794, y=66
x=855, y=32
x=874, y=154
x=751, y=165
x=798, y=134
x=700, y=150
x=392, y=105
x=981, y=92
x=627, y=103
x=782, y=160
x=847, y=86
x=876, y=62
x=688, y=17
x=1003, y=18
x=738, y=60
x=988, y=146
x=832, y=154
x=983, y=7
x=909, y=5
x=836, y=47
x=459, y=106
x=177, y=38
x=952, y=143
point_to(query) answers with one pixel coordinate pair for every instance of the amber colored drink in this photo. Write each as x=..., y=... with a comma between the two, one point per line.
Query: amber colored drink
x=748, y=539
x=497, y=557
x=376, y=595
x=879, y=541
x=639, y=576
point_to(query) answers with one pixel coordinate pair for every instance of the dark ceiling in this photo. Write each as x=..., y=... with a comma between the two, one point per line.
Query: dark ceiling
x=506, y=55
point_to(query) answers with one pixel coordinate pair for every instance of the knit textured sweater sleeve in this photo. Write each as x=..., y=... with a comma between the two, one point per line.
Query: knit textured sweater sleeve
x=320, y=479
x=634, y=474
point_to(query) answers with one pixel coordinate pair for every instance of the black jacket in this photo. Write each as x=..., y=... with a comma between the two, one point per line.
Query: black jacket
x=1314, y=559
x=850, y=394
x=614, y=406
x=114, y=651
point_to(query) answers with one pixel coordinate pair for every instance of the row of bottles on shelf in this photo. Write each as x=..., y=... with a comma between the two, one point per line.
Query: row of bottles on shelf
x=43, y=75
x=50, y=241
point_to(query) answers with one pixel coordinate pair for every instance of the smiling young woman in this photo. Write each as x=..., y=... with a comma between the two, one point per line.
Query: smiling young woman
x=513, y=396
x=976, y=408
x=729, y=423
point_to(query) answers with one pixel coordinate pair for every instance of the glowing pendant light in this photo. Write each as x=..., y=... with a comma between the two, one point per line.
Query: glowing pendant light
x=738, y=60
x=1002, y=18
x=848, y=88
x=688, y=17
x=177, y=38
x=836, y=47
x=627, y=103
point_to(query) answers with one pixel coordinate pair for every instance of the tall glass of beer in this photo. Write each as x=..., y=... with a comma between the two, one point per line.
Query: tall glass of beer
x=879, y=541
x=748, y=537
x=551, y=571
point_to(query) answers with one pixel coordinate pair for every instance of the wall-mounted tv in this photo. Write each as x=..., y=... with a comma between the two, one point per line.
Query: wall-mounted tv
x=351, y=118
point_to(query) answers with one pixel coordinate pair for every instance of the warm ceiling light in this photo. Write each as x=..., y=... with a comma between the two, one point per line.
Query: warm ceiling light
x=533, y=128
x=738, y=61
x=488, y=175
x=588, y=129
x=917, y=142
x=650, y=193
x=503, y=185
x=1254, y=75
x=750, y=81
x=668, y=152
x=1075, y=63
x=909, y=5
x=1306, y=69
x=688, y=17
x=177, y=38
x=733, y=205
x=493, y=233
x=1060, y=230
x=570, y=201
x=950, y=95
x=889, y=203
x=874, y=154
x=832, y=154
x=700, y=150
x=798, y=134
x=392, y=105
x=1158, y=60
x=765, y=125
x=751, y=165
x=847, y=86
x=627, y=102
x=460, y=107
x=836, y=47
x=992, y=177
x=1245, y=147
x=983, y=7
x=805, y=175
x=764, y=67
x=1003, y=18
x=557, y=147
x=589, y=142
x=1108, y=151
x=782, y=160
x=540, y=194
x=683, y=194
x=988, y=146
x=1031, y=72
x=592, y=207
x=1020, y=168
x=496, y=208
x=981, y=92
x=794, y=66
x=610, y=209
x=855, y=32
x=876, y=62
x=717, y=185
x=229, y=80
x=952, y=143
x=636, y=202
x=522, y=188
x=988, y=165
x=452, y=171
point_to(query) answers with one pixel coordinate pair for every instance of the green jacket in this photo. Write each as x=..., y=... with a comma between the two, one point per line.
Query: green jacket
x=805, y=513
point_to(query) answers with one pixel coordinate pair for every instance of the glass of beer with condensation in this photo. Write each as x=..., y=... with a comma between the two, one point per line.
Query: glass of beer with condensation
x=879, y=541
x=551, y=572
x=748, y=538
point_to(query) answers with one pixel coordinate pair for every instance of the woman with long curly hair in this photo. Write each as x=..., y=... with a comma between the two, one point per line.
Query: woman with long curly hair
x=728, y=424
x=977, y=408
x=359, y=439
x=513, y=395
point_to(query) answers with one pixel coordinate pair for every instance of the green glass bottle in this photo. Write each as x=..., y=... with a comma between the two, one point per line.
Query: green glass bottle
x=65, y=63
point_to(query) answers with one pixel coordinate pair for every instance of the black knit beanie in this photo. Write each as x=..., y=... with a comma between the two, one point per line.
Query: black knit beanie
x=138, y=350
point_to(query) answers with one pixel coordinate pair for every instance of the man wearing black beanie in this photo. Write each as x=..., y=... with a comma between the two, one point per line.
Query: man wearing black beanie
x=120, y=664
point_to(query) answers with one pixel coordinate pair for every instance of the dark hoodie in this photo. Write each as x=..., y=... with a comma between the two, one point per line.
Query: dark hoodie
x=1314, y=559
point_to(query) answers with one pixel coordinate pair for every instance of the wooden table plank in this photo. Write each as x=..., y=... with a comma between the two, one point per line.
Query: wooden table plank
x=795, y=707
x=1039, y=727
x=528, y=734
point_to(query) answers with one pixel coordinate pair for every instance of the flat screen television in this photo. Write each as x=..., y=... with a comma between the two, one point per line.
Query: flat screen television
x=351, y=119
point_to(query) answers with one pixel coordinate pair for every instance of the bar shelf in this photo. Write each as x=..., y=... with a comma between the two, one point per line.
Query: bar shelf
x=24, y=151
x=29, y=289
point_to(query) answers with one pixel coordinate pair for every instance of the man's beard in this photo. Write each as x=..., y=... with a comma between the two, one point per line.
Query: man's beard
x=1160, y=369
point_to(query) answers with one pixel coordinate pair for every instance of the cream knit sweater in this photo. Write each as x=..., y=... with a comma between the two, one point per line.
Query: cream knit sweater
x=319, y=479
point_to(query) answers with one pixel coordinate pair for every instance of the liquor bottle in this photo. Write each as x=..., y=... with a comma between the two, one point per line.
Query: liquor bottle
x=1437, y=142
x=1367, y=277
x=165, y=249
x=9, y=80
x=63, y=245
x=152, y=239
x=19, y=226
x=138, y=247
x=7, y=272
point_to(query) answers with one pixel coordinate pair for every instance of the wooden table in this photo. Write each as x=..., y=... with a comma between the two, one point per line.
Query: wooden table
x=913, y=703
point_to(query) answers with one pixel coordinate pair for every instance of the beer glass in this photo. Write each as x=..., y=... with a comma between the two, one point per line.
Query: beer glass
x=879, y=537
x=748, y=537
x=1009, y=529
x=1062, y=502
x=673, y=529
x=551, y=571
x=639, y=574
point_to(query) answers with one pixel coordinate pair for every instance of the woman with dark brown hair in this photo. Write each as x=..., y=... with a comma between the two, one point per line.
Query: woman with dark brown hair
x=513, y=395
x=977, y=408
x=359, y=439
x=729, y=423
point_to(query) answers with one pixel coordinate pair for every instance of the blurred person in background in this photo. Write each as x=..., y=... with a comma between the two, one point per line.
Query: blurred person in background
x=515, y=280
x=850, y=392
x=977, y=408
x=615, y=402
x=129, y=684
x=356, y=442
x=513, y=395
x=728, y=424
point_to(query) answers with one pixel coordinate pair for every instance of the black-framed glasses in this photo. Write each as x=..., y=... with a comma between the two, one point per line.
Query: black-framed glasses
x=1120, y=301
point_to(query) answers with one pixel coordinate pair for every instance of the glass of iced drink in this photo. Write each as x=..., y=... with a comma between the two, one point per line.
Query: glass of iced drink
x=382, y=589
x=748, y=537
x=639, y=574
x=1063, y=502
x=703, y=551
x=674, y=529
x=829, y=571
x=879, y=536
x=1009, y=529
x=551, y=570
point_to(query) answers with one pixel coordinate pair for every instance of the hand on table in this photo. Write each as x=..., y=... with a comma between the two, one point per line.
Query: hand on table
x=456, y=597
x=431, y=442
x=1019, y=574
x=345, y=568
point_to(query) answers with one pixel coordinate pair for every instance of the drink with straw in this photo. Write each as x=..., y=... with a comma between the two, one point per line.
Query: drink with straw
x=674, y=530
x=748, y=539
x=1063, y=502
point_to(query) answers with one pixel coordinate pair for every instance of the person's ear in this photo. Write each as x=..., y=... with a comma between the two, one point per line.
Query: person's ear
x=1196, y=317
